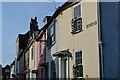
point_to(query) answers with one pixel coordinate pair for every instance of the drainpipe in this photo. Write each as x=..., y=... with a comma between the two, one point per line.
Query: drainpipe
x=100, y=42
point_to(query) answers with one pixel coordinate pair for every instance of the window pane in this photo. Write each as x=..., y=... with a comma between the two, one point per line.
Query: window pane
x=48, y=32
x=51, y=36
x=52, y=30
x=77, y=11
x=76, y=61
x=80, y=53
x=79, y=24
x=32, y=52
x=75, y=25
x=50, y=41
x=41, y=48
x=80, y=60
x=80, y=69
x=76, y=55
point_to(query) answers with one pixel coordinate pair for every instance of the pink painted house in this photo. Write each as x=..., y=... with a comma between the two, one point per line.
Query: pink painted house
x=41, y=55
x=42, y=66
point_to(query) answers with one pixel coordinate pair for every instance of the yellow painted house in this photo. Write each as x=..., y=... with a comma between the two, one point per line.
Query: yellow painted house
x=73, y=42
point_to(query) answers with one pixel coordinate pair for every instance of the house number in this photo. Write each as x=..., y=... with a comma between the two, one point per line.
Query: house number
x=91, y=24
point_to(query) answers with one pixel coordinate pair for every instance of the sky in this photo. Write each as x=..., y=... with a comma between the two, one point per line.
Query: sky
x=15, y=20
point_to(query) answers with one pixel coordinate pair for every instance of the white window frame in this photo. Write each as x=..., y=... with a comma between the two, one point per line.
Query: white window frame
x=76, y=53
x=78, y=50
x=76, y=6
x=76, y=20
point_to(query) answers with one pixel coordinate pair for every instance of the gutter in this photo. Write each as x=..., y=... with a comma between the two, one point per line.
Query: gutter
x=100, y=42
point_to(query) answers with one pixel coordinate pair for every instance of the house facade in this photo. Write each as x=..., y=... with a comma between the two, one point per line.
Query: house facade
x=41, y=56
x=33, y=48
x=69, y=50
x=32, y=60
x=80, y=43
x=25, y=51
x=21, y=45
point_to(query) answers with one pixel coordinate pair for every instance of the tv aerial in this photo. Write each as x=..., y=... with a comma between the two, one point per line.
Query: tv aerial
x=54, y=4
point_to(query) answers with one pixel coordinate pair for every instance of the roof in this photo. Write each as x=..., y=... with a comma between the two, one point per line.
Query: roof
x=65, y=6
x=7, y=66
x=24, y=51
x=23, y=38
x=24, y=41
x=13, y=63
x=46, y=17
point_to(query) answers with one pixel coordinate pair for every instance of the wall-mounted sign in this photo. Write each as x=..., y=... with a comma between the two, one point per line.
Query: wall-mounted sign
x=91, y=24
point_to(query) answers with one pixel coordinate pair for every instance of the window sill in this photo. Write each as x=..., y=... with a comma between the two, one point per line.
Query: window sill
x=77, y=32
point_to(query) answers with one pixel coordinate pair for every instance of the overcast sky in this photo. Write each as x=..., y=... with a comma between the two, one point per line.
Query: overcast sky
x=15, y=20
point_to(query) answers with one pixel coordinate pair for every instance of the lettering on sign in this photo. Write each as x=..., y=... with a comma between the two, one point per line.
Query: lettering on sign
x=91, y=24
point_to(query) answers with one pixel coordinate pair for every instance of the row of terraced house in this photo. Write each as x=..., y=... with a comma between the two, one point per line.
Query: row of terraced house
x=80, y=40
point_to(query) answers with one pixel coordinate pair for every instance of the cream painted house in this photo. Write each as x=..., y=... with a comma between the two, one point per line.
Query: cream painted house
x=73, y=45
x=32, y=60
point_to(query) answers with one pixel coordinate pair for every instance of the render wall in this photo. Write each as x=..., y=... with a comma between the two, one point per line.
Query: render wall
x=32, y=63
x=87, y=40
